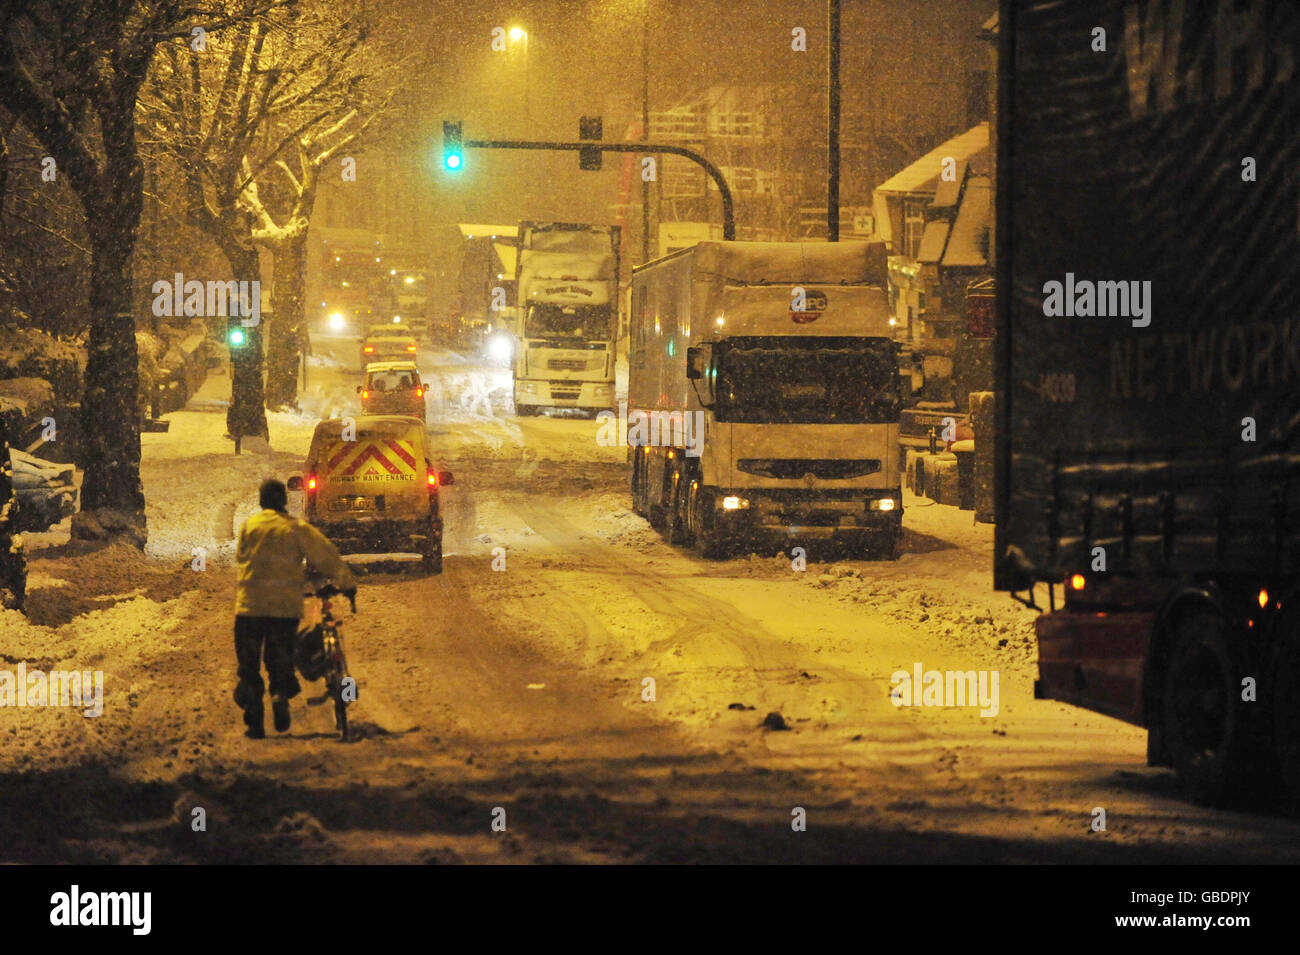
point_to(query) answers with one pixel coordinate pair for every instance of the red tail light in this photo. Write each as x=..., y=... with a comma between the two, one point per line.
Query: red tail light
x=410, y=348
x=419, y=392
x=433, y=478
x=368, y=349
x=365, y=394
x=311, y=483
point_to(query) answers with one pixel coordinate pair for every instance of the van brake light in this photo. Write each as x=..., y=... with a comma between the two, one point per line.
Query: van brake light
x=311, y=483
x=432, y=478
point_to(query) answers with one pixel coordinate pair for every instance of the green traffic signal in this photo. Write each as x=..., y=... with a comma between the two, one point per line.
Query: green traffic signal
x=453, y=155
x=237, y=337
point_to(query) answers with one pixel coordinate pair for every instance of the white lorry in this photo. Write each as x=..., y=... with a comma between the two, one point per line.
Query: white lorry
x=568, y=317
x=764, y=397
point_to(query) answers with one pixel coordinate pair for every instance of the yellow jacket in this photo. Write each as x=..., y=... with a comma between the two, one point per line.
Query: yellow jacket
x=270, y=555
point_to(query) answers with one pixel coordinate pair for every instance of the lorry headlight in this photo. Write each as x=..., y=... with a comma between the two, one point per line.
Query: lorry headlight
x=882, y=504
x=527, y=388
x=500, y=348
x=601, y=391
x=734, y=503
x=336, y=322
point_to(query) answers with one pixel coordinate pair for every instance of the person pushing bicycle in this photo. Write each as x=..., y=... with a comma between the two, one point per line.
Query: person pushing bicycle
x=272, y=560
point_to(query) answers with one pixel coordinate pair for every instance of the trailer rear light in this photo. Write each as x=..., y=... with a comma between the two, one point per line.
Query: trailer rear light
x=369, y=349
x=311, y=482
x=1078, y=581
x=1263, y=599
x=410, y=348
x=365, y=394
x=419, y=392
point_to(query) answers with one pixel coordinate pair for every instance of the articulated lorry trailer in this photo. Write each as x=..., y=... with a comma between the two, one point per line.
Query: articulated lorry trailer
x=1148, y=368
x=568, y=317
x=764, y=397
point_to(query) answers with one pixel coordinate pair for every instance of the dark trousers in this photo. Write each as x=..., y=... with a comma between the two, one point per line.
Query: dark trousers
x=268, y=639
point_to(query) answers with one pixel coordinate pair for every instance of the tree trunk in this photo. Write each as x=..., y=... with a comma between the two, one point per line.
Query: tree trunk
x=112, y=498
x=13, y=566
x=246, y=415
x=284, y=341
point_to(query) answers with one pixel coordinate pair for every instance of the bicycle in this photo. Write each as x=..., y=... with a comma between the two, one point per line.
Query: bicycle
x=329, y=660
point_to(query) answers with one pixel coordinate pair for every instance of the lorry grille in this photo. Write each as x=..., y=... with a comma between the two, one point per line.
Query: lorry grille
x=790, y=469
x=567, y=364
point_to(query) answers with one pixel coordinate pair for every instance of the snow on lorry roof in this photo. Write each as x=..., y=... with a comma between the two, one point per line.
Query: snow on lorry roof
x=775, y=263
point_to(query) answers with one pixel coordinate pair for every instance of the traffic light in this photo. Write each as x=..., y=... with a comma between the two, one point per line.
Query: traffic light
x=589, y=127
x=453, y=153
x=242, y=340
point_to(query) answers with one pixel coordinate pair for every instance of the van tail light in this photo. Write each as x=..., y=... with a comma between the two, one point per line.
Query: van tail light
x=369, y=349
x=311, y=482
x=432, y=478
x=419, y=392
x=365, y=394
x=410, y=348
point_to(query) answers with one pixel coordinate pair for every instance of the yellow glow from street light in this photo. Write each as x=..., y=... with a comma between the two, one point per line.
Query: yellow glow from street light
x=517, y=33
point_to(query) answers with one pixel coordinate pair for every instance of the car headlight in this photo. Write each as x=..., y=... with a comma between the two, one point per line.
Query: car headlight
x=501, y=348
x=336, y=322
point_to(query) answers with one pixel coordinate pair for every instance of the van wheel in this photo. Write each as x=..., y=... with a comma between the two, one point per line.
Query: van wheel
x=1203, y=718
x=1286, y=713
x=431, y=553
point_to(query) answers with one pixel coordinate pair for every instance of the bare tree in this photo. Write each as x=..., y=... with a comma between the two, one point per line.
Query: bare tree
x=71, y=70
x=253, y=120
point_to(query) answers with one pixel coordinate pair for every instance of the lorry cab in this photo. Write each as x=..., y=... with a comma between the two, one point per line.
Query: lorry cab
x=370, y=485
x=393, y=388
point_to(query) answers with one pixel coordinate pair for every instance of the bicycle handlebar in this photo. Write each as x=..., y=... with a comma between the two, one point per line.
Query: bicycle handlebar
x=329, y=590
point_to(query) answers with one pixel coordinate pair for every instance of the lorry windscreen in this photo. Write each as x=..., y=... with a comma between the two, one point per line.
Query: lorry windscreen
x=785, y=380
x=580, y=322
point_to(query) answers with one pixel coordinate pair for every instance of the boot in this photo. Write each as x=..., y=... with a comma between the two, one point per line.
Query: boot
x=280, y=710
x=254, y=719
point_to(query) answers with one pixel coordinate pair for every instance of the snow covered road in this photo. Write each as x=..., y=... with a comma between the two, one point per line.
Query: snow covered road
x=605, y=690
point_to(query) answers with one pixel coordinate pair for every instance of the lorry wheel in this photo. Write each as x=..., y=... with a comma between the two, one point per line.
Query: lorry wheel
x=1286, y=714
x=709, y=543
x=679, y=528
x=1203, y=719
x=638, y=500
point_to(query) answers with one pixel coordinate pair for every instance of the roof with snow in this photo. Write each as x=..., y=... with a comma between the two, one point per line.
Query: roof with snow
x=932, y=241
x=479, y=230
x=771, y=263
x=922, y=176
x=971, y=225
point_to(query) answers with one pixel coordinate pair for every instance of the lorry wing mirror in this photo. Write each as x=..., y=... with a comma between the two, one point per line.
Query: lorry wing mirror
x=358, y=389
x=295, y=483
x=697, y=362
x=445, y=478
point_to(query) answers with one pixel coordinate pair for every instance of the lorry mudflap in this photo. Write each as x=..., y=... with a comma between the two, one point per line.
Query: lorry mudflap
x=1096, y=660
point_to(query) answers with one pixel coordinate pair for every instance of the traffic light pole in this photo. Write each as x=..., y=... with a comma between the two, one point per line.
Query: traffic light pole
x=728, y=211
